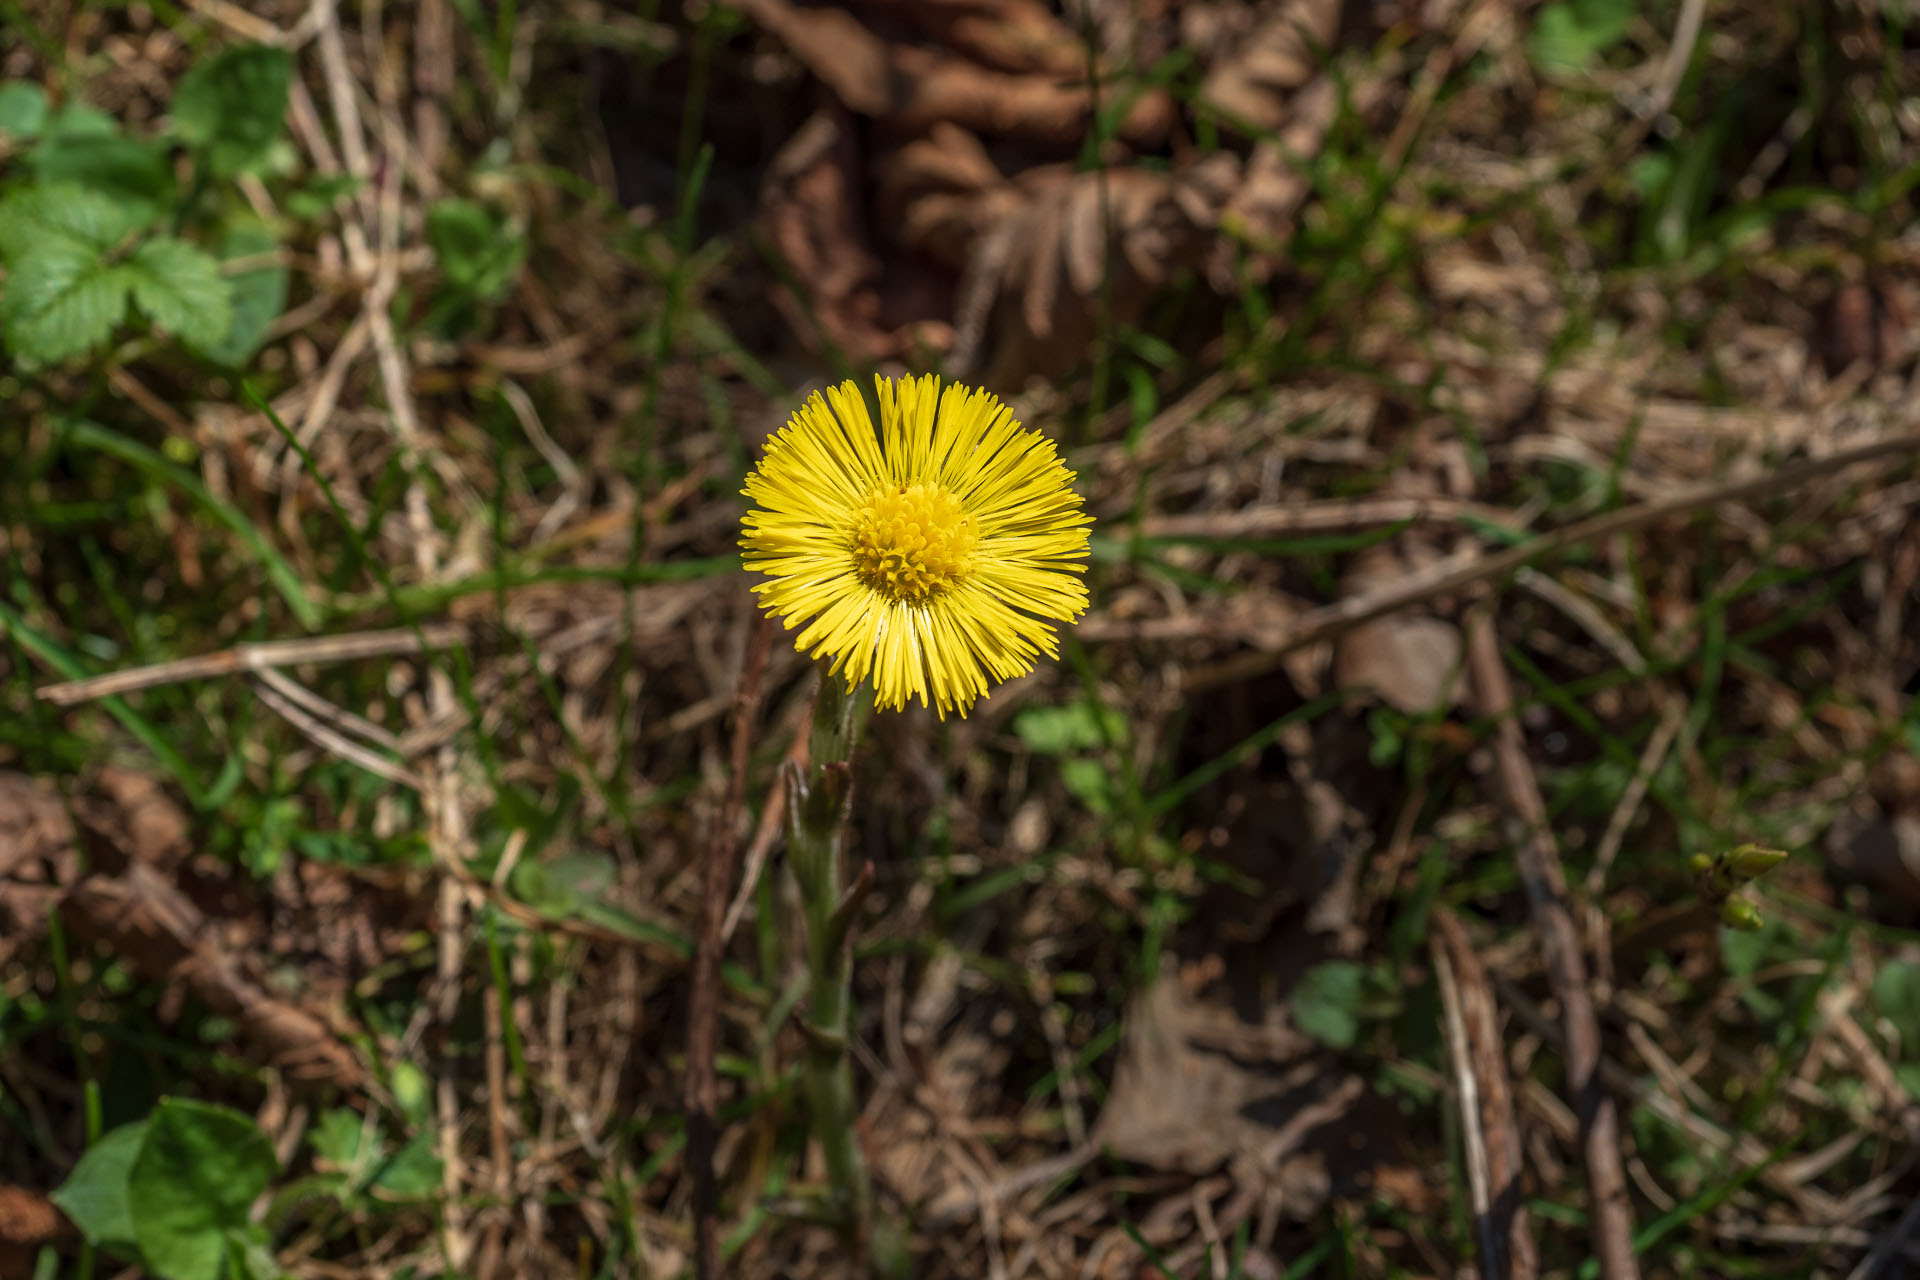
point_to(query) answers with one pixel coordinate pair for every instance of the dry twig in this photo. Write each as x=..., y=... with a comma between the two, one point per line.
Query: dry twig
x=1546, y=887
x=262, y=656
x=1460, y=571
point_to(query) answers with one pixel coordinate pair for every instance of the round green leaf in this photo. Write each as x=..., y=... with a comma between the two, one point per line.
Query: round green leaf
x=23, y=109
x=1326, y=1002
x=259, y=296
x=95, y=1194
x=196, y=1178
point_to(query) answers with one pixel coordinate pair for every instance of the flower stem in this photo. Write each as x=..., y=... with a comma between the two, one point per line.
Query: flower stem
x=818, y=799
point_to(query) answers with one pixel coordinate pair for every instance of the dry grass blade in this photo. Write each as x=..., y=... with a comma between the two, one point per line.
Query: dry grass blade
x=703, y=1015
x=1487, y=1114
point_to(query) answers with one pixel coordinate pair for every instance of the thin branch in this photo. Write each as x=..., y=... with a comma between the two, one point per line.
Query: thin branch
x=329, y=739
x=1546, y=886
x=256, y=657
x=1460, y=571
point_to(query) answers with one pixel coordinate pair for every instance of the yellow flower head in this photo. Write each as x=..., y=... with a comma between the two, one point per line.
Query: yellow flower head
x=933, y=554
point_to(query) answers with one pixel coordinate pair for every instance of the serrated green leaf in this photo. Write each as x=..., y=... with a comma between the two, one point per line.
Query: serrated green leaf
x=34, y=217
x=195, y=1180
x=230, y=107
x=477, y=252
x=343, y=1140
x=412, y=1174
x=76, y=149
x=95, y=1193
x=180, y=288
x=1326, y=1002
x=23, y=109
x=259, y=296
x=317, y=198
x=61, y=302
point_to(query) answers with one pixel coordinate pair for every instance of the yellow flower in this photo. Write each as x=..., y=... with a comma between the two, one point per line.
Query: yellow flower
x=932, y=555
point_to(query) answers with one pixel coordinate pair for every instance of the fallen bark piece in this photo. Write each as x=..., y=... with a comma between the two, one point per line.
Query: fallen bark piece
x=38, y=859
x=28, y=1220
x=153, y=927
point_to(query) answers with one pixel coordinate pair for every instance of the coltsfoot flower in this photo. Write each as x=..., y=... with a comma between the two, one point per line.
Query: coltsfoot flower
x=933, y=555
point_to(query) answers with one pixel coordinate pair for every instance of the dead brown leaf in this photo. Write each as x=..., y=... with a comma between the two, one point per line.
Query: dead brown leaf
x=1881, y=853
x=1017, y=36
x=912, y=88
x=38, y=858
x=1031, y=296
x=1199, y=1088
x=1410, y=660
x=153, y=927
x=1866, y=322
x=1264, y=204
x=1260, y=69
x=811, y=213
x=133, y=814
x=28, y=1220
x=138, y=911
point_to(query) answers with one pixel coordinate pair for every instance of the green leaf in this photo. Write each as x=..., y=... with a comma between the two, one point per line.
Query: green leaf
x=1054, y=731
x=259, y=296
x=23, y=109
x=95, y=1193
x=252, y=1254
x=1908, y=1074
x=562, y=885
x=1090, y=783
x=279, y=571
x=1569, y=34
x=413, y=1174
x=316, y=200
x=63, y=215
x=412, y=1093
x=343, y=1140
x=180, y=289
x=478, y=253
x=195, y=1180
x=1896, y=996
x=1326, y=1002
x=60, y=302
x=82, y=146
x=230, y=107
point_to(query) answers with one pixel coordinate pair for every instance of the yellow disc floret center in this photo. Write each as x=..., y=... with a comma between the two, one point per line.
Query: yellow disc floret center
x=912, y=542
